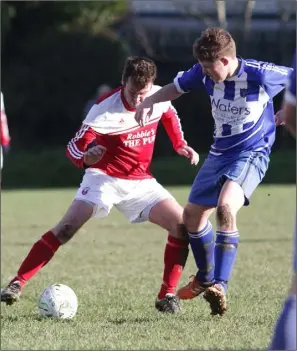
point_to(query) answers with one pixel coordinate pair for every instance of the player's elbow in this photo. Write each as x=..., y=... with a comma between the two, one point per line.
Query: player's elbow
x=168, y=93
x=174, y=92
x=68, y=155
x=73, y=156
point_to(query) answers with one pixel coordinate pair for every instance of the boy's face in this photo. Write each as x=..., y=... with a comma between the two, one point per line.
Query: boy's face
x=218, y=70
x=134, y=95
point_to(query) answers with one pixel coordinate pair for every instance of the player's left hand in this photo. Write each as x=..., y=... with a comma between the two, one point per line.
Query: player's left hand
x=6, y=148
x=189, y=153
x=278, y=118
x=143, y=112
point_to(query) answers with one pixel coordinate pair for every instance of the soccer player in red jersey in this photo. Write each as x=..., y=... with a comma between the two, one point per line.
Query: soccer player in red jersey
x=116, y=153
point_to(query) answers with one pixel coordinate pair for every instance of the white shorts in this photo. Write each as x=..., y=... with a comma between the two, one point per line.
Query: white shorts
x=134, y=198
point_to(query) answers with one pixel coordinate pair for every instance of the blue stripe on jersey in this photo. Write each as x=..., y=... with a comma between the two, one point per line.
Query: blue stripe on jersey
x=229, y=92
x=227, y=129
x=247, y=125
x=209, y=84
x=253, y=89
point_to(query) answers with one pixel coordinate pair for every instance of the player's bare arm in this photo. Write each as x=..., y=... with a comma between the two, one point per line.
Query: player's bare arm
x=290, y=118
x=172, y=125
x=189, y=153
x=279, y=118
x=145, y=109
x=287, y=115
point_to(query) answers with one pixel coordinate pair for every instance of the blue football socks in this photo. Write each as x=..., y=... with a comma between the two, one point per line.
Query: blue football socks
x=202, y=244
x=225, y=255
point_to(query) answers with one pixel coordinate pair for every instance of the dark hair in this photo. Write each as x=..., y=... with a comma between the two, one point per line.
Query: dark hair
x=213, y=44
x=141, y=70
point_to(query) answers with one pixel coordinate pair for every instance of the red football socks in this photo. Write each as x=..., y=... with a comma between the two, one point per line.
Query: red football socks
x=175, y=257
x=40, y=254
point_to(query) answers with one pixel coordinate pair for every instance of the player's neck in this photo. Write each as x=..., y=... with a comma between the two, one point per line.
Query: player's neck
x=234, y=67
x=125, y=101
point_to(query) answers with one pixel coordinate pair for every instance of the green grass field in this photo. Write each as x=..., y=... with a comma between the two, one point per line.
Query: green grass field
x=115, y=268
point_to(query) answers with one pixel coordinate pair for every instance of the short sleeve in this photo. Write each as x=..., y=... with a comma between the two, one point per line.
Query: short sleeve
x=189, y=80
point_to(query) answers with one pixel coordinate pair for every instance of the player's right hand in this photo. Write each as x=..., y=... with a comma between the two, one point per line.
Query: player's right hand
x=94, y=155
x=279, y=118
x=143, y=112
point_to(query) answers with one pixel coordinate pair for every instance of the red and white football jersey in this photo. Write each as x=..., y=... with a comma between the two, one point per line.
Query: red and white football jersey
x=129, y=147
x=4, y=132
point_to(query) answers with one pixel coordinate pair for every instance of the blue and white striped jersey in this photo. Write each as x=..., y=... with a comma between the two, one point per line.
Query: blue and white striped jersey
x=290, y=95
x=242, y=106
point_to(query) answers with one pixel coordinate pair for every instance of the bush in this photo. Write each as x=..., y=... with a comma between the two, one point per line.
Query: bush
x=51, y=168
x=48, y=79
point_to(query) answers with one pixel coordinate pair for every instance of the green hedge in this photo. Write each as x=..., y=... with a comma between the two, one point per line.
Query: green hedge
x=51, y=168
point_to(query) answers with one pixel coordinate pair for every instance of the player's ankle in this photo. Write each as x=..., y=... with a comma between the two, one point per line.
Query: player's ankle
x=222, y=283
x=19, y=280
x=164, y=291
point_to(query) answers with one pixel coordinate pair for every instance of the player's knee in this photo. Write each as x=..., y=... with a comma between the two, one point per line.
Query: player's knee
x=65, y=232
x=180, y=231
x=225, y=217
x=191, y=219
x=187, y=218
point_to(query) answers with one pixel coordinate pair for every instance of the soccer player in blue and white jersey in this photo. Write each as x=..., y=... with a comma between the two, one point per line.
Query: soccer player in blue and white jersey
x=284, y=337
x=241, y=93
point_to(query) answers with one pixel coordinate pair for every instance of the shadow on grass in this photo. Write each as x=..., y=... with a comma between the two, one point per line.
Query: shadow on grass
x=137, y=320
x=32, y=316
x=266, y=240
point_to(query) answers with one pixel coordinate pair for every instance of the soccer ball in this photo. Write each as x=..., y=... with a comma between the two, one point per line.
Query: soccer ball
x=58, y=301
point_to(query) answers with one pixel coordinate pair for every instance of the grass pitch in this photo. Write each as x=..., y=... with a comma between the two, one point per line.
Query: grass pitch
x=115, y=268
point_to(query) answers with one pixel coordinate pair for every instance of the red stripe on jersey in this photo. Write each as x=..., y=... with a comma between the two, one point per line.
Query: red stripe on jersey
x=133, y=128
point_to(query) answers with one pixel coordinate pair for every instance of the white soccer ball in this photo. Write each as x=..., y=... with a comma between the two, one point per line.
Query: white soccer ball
x=58, y=301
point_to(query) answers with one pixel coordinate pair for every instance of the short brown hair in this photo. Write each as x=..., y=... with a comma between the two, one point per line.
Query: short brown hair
x=141, y=70
x=213, y=44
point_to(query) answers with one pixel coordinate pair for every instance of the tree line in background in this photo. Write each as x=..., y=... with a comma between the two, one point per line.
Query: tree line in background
x=56, y=54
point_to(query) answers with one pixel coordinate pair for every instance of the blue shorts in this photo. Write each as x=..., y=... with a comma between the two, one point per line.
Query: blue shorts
x=247, y=169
